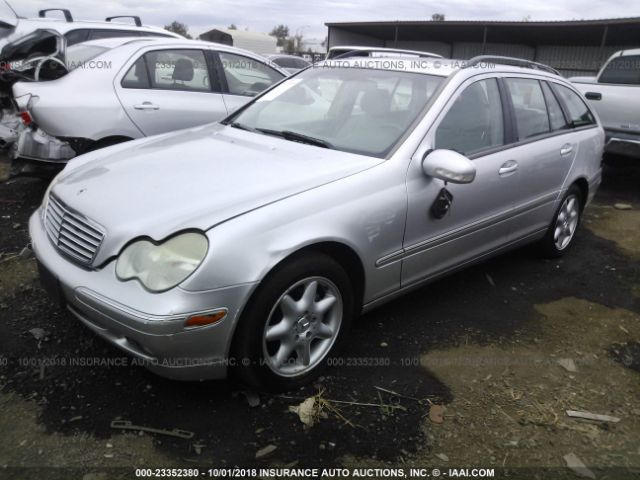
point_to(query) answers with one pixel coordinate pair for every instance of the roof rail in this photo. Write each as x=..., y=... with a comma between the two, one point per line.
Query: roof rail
x=136, y=19
x=361, y=51
x=67, y=14
x=516, y=62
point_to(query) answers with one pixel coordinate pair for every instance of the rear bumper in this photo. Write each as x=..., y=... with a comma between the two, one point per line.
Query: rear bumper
x=622, y=143
x=36, y=145
x=147, y=326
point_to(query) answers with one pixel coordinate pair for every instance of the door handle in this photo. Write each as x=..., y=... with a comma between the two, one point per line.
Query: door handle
x=566, y=150
x=508, y=168
x=146, y=106
x=593, y=96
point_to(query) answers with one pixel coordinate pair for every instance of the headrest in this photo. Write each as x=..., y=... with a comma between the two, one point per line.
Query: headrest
x=376, y=102
x=183, y=70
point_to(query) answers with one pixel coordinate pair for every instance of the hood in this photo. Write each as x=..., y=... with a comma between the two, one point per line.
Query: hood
x=195, y=178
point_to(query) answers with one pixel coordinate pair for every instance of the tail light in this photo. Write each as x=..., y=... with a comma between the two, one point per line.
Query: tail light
x=26, y=118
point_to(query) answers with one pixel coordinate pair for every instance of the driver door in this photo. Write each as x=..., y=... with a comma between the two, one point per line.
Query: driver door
x=478, y=222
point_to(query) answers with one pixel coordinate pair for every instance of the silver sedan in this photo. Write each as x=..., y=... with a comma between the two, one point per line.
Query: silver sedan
x=248, y=246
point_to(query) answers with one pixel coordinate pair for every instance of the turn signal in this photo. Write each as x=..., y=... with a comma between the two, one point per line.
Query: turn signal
x=204, y=320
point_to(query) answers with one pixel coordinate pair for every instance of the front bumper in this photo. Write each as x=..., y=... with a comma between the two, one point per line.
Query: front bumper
x=148, y=326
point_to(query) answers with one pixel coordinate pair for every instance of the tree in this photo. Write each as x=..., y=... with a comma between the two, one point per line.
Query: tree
x=232, y=27
x=281, y=32
x=179, y=28
x=437, y=17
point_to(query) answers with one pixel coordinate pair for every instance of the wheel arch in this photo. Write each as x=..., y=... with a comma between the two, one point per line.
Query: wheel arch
x=583, y=186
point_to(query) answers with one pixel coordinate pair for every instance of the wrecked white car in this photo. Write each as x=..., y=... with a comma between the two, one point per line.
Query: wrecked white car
x=100, y=93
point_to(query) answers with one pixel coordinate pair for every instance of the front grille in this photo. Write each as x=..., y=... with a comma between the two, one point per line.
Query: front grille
x=71, y=233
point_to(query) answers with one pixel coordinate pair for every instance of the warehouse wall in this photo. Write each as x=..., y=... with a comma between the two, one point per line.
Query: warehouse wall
x=339, y=37
x=440, y=48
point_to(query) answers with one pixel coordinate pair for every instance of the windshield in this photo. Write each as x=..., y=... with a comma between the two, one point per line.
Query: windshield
x=356, y=110
x=77, y=55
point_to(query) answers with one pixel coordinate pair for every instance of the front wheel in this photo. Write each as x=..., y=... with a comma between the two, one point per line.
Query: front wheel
x=562, y=231
x=293, y=322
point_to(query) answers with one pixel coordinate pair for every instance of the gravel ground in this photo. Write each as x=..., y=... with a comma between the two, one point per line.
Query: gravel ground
x=505, y=347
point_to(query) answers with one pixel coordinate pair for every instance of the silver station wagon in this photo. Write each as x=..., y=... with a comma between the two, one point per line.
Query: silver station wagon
x=248, y=246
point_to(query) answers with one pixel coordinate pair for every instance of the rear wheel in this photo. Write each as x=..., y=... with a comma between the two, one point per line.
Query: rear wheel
x=293, y=322
x=562, y=231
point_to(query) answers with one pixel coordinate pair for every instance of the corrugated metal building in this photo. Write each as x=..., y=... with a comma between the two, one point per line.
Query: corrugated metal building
x=577, y=47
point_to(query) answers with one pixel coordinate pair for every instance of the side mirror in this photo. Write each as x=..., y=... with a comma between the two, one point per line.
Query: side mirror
x=449, y=166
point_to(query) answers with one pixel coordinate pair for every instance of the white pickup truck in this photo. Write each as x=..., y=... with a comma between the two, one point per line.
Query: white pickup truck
x=615, y=96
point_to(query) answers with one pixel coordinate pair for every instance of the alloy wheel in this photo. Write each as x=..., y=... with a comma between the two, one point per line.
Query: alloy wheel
x=302, y=326
x=566, y=222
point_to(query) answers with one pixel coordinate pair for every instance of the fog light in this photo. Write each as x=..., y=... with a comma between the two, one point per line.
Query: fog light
x=204, y=320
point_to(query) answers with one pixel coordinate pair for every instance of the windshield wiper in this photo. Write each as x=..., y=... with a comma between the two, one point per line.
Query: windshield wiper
x=297, y=137
x=242, y=126
x=286, y=134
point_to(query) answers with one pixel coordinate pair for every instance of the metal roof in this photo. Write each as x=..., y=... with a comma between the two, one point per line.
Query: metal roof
x=620, y=31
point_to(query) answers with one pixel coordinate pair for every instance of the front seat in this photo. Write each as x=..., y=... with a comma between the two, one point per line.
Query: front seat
x=372, y=127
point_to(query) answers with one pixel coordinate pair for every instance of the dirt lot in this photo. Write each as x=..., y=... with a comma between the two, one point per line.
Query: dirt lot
x=506, y=347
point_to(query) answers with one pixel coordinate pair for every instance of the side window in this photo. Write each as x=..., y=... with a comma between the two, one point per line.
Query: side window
x=579, y=113
x=137, y=76
x=76, y=36
x=184, y=70
x=474, y=122
x=556, y=117
x=622, y=71
x=98, y=34
x=246, y=76
x=529, y=107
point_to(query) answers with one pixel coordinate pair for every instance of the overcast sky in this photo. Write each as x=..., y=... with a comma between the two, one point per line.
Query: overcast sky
x=308, y=17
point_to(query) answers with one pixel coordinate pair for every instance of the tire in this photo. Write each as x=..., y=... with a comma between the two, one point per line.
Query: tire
x=562, y=231
x=308, y=327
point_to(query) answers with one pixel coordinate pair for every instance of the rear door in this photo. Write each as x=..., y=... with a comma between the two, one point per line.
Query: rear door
x=548, y=116
x=545, y=151
x=243, y=78
x=170, y=89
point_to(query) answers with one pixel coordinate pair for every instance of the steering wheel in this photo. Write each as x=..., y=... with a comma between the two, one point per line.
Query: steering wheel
x=40, y=61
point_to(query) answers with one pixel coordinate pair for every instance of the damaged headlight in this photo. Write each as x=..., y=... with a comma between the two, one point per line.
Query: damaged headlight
x=160, y=267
